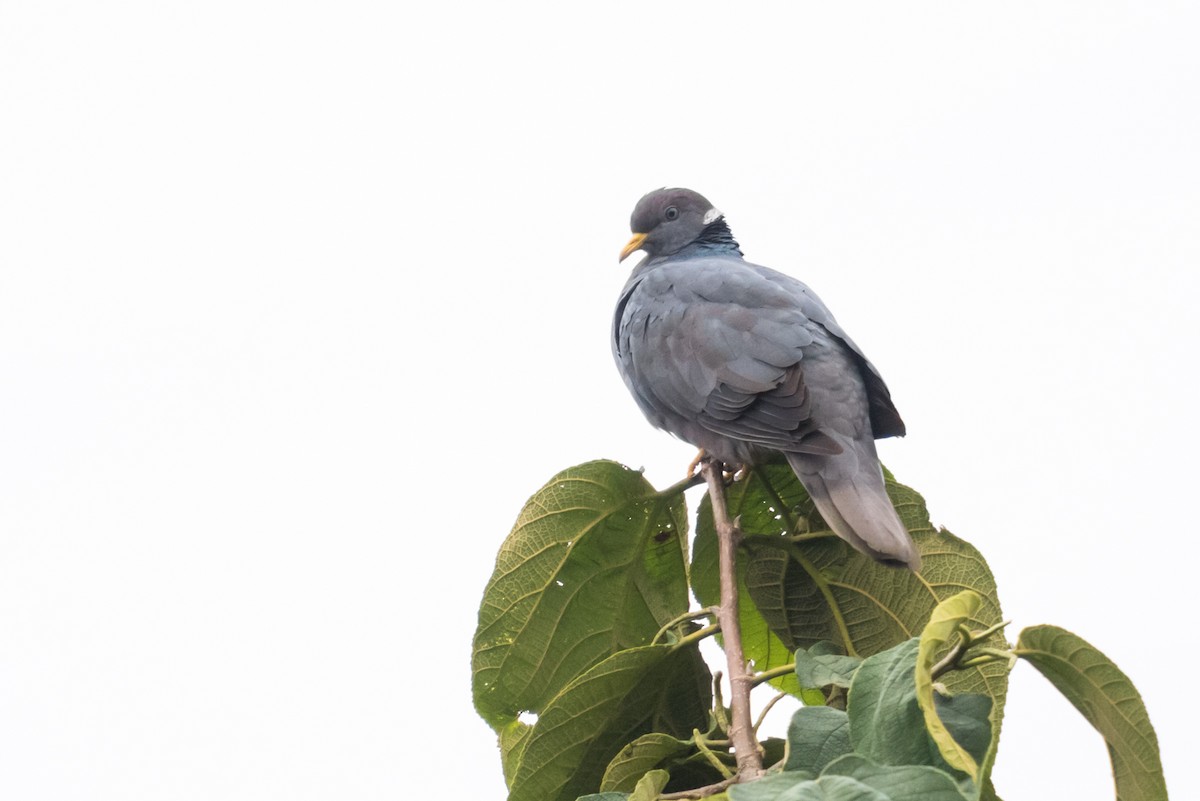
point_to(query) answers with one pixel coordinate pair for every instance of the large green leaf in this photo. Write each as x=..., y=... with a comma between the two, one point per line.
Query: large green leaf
x=595, y=564
x=819, y=588
x=886, y=724
x=937, y=637
x=1109, y=701
x=650, y=688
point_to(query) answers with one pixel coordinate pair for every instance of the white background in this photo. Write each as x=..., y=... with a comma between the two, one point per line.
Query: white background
x=300, y=301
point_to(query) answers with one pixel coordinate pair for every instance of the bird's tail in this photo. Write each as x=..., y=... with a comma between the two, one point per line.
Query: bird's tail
x=849, y=493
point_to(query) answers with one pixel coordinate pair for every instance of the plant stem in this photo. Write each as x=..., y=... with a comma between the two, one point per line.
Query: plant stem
x=950, y=660
x=763, y=715
x=686, y=616
x=957, y=658
x=741, y=728
x=808, y=536
x=702, y=747
x=680, y=486
x=698, y=635
x=773, y=673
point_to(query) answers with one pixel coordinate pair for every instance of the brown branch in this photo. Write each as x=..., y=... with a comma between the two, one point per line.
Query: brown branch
x=741, y=726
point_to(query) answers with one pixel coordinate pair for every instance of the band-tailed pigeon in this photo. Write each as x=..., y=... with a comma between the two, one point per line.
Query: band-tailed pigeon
x=742, y=361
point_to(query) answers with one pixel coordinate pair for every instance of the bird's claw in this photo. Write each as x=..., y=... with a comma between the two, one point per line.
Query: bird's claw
x=729, y=474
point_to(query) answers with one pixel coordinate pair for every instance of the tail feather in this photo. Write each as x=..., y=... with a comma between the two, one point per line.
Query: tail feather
x=849, y=492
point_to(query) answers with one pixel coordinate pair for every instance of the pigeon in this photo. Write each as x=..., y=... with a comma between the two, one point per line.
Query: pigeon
x=745, y=362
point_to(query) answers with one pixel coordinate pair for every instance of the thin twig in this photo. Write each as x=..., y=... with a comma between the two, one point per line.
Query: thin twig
x=741, y=729
x=763, y=715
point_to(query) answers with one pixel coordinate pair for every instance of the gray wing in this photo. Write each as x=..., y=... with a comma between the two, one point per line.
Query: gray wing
x=721, y=343
x=885, y=419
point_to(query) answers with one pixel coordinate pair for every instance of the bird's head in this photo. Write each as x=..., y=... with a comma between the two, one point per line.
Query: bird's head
x=667, y=220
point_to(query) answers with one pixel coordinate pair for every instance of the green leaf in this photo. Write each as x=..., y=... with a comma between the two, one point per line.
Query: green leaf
x=820, y=588
x=787, y=786
x=823, y=665
x=642, y=755
x=694, y=770
x=853, y=778
x=898, y=783
x=633, y=692
x=988, y=793
x=650, y=786
x=967, y=716
x=817, y=735
x=937, y=637
x=1107, y=698
x=886, y=723
x=595, y=564
x=512, y=744
x=774, y=750
x=646, y=790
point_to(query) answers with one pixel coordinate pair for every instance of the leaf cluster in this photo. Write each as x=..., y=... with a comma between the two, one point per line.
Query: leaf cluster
x=586, y=660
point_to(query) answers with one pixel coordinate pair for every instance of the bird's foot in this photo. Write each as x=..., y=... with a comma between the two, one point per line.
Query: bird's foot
x=729, y=473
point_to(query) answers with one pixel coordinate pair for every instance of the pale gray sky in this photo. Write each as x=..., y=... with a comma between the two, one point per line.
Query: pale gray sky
x=300, y=301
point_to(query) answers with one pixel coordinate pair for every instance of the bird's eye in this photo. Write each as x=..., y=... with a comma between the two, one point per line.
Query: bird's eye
x=671, y=213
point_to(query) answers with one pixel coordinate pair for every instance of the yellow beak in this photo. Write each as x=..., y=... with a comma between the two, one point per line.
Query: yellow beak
x=633, y=244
